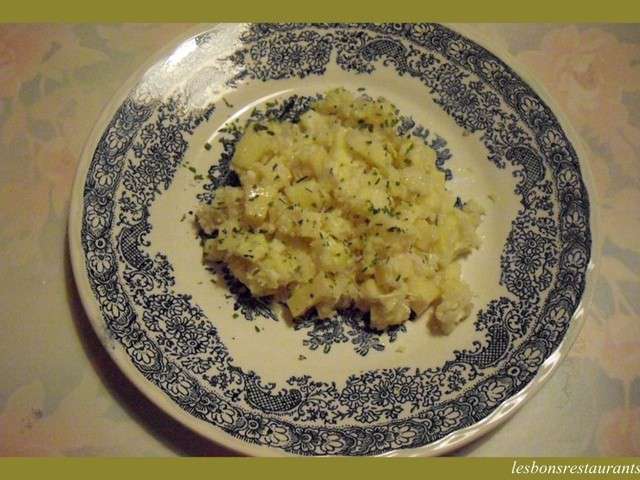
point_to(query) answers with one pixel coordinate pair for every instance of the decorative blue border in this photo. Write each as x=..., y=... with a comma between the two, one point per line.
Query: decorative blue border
x=176, y=347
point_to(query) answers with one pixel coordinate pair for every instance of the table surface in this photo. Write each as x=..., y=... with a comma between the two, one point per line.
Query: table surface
x=60, y=394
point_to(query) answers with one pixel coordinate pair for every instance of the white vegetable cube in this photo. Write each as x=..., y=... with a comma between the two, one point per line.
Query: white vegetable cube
x=306, y=193
x=391, y=312
x=251, y=149
x=330, y=254
x=422, y=293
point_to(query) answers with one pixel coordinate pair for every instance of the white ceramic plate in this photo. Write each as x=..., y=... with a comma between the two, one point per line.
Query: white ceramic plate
x=224, y=363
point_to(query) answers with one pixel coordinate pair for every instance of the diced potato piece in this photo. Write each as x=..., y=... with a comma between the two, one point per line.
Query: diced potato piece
x=330, y=254
x=388, y=313
x=455, y=305
x=306, y=193
x=422, y=293
x=251, y=149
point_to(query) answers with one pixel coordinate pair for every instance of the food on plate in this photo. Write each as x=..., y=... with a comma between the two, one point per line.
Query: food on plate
x=337, y=210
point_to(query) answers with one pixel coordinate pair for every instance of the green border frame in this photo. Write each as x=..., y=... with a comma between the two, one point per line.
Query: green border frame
x=313, y=468
x=623, y=11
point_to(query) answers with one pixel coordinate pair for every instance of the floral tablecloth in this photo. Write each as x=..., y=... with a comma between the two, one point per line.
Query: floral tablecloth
x=61, y=395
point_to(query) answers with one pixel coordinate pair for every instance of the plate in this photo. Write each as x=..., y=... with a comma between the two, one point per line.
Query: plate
x=226, y=364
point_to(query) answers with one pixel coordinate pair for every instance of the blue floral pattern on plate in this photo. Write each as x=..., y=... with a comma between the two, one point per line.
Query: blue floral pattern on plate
x=176, y=347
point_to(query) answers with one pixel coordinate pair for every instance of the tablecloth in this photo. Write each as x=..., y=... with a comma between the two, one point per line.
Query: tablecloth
x=61, y=395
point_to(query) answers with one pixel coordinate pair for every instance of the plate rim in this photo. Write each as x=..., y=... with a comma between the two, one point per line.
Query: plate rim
x=448, y=443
